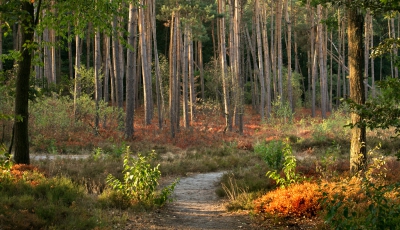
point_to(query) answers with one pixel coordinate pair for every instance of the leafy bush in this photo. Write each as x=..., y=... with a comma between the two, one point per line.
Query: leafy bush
x=140, y=181
x=271, y=153
x=289, y=169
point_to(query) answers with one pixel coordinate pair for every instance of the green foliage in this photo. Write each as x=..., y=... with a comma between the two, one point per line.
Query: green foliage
x=272, y=153
x=383, y=111
x=140, y=181
x=281, y=111
x=289, y=169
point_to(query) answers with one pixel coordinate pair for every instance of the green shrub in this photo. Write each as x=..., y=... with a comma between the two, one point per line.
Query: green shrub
x=140, y=181
x=272, y=153
x=289, y=169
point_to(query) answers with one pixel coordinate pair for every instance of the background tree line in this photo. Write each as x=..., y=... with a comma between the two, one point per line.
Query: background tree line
x=167, y=56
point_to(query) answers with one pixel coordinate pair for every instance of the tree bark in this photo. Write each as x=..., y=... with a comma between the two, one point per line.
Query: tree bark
x=97, y=76
x=289, y=57
x=131, y=72
x=260, y=59
x=21, y=138
x=224, y=68
x=145, y=67
x=358, y=154
x=159, y=91
x=322, y=66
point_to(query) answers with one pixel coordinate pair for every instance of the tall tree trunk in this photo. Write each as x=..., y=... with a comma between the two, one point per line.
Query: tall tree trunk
x=21, y=137
x=106, y=67
x=173, y=107
x=97, y=76
x=366, y=51
x=70, y=58
x=146, y=74
x=289, y=57
x=322, y=67
x=358, y=154
x=185, y=105
x=372, y=59
x=201, y=68
x=1, y=44
x=88, y=41
x=339, y=72
x=116, y=68
x=394, y=49
x=192, y=89
x=131, y=71
x=77, y=82
x=260, y=59
x=224, y=68
x=279, y=47
x=159, y=91
x=47, y=56
x=267, y=64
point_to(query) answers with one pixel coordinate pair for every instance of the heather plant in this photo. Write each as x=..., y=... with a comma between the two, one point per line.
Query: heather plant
x=365, y=201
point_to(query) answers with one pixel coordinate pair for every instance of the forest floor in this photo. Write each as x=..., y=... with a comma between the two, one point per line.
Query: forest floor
x=196, y=206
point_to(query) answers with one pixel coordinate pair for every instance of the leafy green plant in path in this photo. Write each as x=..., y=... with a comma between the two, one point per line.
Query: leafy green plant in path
x=140, y=181
x=289, y=169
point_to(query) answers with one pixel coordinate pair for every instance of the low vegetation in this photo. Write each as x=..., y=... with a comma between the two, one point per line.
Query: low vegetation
x=277, y=170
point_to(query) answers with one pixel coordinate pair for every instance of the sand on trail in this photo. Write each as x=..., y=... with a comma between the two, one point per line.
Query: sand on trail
x=196, y=206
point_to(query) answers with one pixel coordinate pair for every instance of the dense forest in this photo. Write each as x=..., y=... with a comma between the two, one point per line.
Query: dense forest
x=169, y=56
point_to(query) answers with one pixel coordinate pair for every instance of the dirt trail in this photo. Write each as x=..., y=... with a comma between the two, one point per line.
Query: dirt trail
x=196, y=206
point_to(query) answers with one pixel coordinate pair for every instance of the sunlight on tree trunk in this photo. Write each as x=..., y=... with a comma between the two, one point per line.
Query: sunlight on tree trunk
x=358, y=155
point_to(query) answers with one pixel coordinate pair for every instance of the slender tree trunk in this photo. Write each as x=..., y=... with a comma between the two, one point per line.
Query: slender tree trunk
x=159, y=91
x=279, y=46
x=358, y=154
x=260, y=59
x=131, y=71
x=366, y=52
x=322, y=67
x=77, y=85
x=21, y=137
x=88, y=44
x=267, y=64
x=201, y=68
x=289, y=58
x=106, y=71
x=394, y=49
x=70, y=58
x=192, y=89
x=172, y=76
x=224, y=68
x=1, y=44
x=116, y=68
x=146, y=74
x=372, y=59
x=106, y=67
x=339, y=72
x=97, y=76
x=185, y=78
